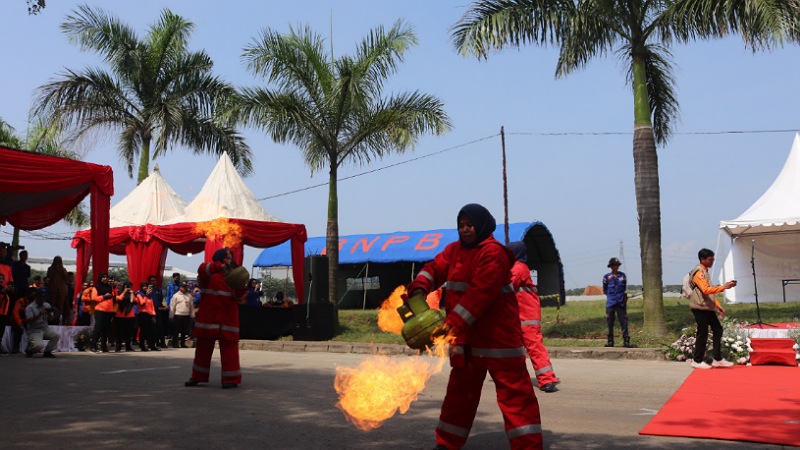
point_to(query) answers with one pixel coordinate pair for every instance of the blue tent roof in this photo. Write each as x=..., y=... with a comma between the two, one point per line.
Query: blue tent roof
x=411, y=246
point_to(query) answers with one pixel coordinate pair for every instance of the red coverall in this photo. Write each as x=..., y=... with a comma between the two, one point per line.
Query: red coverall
x=530, y=316
x=217, y=320
x=483, y=314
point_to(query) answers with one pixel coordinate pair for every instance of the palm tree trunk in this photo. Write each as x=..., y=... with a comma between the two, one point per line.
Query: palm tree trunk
x=144, y=162
x=648, y=204
x=332, y=239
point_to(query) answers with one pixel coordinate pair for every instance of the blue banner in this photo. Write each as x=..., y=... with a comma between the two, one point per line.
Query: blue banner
x=411, y=246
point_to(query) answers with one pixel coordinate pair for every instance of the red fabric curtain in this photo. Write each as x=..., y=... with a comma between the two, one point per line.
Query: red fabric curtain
x=145, y=259
x=39, y=190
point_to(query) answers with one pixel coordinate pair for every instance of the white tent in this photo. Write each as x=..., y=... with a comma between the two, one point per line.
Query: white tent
x=224, y=194
x=153, y=201
x=767, y=236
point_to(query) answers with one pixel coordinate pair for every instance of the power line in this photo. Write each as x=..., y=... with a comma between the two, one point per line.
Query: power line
x=527, y=133
x=475, y=141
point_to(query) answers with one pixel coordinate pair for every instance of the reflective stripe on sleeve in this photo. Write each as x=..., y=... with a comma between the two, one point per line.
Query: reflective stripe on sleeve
x=466, y=315
x=544, y=369
x=533, y=428
x=499, y=352
x=531, y=322
x=208, y=269
x=453, y=429
x=426, y=275
x=215, y=292
x=532, y=290
x=456, y=350
x=507, y=288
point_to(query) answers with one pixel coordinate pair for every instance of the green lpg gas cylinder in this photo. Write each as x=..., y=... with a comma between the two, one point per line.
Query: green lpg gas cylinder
x=420, y=321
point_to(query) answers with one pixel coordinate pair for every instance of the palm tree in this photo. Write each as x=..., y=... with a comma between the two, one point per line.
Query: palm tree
x=641, y=33
x=333, y=109
x=156, y=94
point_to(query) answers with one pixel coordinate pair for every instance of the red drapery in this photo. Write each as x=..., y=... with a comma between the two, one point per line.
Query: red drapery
x=146, y=245
x=38, y=190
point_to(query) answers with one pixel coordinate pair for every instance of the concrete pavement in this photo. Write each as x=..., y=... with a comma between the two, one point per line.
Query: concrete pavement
x=287, y=401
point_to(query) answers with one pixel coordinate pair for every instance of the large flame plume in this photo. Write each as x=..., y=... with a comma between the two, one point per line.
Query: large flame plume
x=388, y=318
x=230, y=232
x=380, y=386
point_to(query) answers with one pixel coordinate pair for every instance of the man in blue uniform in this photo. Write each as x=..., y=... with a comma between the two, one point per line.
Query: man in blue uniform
x=614, y=285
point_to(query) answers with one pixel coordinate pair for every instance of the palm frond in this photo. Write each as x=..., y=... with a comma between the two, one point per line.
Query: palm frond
x=494, y=24
x=762, y=24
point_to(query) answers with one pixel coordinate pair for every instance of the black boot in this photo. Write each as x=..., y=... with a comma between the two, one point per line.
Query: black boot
x=610, y=343
x=627, y=343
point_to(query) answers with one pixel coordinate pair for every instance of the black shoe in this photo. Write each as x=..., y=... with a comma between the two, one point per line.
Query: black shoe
x=440, y=447
x=155, y=349
x=117, y=349
x=628, y=344
x=610, y=344
x=144, y=349
x=549, y=388
x=191, y=382
x=229, y=385
x=28, y=354
x=48, y=355
x=129, y=349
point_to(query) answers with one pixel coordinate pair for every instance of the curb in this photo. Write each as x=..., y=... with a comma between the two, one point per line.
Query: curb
x=397, y=349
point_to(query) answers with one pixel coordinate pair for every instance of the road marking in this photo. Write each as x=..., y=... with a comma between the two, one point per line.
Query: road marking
x=647, y=412
x=140, y=370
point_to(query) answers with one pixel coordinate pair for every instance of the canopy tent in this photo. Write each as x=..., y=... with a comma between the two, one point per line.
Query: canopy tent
x=418, y=247
x=39, y=190
x=767, y=236
x=231, y=217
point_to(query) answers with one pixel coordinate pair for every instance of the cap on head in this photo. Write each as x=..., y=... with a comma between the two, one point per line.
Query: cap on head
x=614, y=262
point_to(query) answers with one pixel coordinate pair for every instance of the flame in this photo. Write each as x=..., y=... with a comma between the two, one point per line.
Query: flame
x=388, y=318
x=230, y=232
x=380, y=386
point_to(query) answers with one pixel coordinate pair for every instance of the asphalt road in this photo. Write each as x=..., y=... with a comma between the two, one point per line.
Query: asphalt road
x=287, y=401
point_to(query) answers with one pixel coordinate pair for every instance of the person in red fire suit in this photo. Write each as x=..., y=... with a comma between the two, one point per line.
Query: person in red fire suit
x=530, y=316
x=217, y=320
x=482, y=318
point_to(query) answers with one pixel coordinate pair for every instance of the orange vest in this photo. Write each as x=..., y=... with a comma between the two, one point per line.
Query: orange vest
x=145, y=305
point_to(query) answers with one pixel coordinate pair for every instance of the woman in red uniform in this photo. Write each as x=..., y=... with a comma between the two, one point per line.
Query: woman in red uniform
x=530, y=316
x=217, y=320
x=483, y=318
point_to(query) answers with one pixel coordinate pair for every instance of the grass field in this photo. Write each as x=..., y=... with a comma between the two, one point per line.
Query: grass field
x=583, y=323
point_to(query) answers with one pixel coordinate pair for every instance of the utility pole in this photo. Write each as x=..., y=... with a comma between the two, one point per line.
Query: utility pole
x=621, y=253
x=505, y=180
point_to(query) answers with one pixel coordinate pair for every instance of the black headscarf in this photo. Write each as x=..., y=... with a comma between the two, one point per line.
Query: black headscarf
x=481, y=219
x=519, y=250
x=103, y=288
x=220, y=255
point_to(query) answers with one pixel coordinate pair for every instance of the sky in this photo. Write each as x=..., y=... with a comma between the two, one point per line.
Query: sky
x=568, y=140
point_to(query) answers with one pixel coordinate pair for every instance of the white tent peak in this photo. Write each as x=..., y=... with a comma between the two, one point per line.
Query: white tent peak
x=778, y=209
x=224, y=194
x=153, y=201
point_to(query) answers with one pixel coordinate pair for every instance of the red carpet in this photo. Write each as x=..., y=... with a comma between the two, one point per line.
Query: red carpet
x=741, y=403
